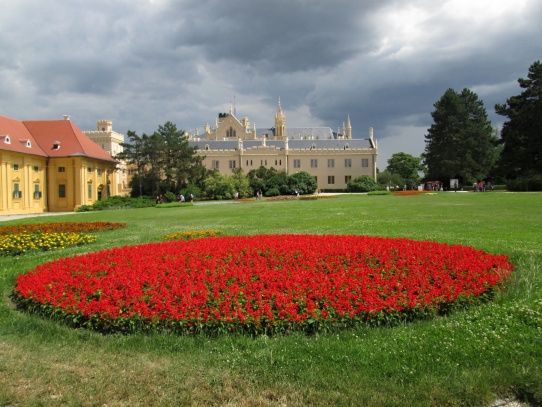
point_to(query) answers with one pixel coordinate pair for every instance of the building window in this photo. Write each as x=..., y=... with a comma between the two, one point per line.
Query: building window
x=348, y=162
x=100, y=171
x=232, y=164
x=17, y=194
x=61, y=169
x=347, y=179
x=330, y=179
x=314, y=163
x=214, y=165
x=330, y=163
x=37, y=192
x=297, y=163
x=62, y=190
x=36, y=168
x=276, y=162
x=364, y=162
x=89, y=169
x=89, y=191
x=15, y=167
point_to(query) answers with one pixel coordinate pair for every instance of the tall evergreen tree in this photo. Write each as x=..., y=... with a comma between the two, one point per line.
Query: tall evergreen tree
x=460, y=143
x=521, y=135
x=164, y=161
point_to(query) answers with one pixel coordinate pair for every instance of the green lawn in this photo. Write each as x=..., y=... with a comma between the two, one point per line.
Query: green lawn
x=467, y=359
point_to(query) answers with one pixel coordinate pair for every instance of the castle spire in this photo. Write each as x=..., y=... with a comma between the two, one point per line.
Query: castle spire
x=280, y=123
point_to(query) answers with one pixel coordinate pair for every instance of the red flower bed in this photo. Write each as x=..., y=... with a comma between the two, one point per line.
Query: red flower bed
x=60, y=227
x=262, y=283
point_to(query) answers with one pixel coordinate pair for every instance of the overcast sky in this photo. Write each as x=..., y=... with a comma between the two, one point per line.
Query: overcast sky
x=141, y=63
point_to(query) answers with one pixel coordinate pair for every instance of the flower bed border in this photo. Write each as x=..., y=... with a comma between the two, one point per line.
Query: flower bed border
x=391, y=296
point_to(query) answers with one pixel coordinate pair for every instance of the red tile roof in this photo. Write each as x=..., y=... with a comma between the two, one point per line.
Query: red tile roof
x=44, y=134
x=17, y=132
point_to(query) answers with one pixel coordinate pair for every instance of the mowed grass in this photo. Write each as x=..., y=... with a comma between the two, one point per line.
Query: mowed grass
x=469, y=358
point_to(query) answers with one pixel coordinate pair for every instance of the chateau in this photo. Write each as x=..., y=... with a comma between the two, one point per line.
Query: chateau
x=332, y=158
x=50, y=166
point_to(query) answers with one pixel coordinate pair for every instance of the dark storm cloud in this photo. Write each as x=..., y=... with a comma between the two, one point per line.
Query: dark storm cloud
x=276, y=36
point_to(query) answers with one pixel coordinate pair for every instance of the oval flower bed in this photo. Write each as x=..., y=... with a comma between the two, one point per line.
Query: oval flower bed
x=260, y=284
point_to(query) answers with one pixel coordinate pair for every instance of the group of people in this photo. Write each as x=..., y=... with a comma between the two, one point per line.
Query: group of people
x=482, y=186
x=181, y=198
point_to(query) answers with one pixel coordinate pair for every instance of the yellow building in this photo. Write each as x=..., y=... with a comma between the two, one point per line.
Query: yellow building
x=50, y=166
x=333, y=158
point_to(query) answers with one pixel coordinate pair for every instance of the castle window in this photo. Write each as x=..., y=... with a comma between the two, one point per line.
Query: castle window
x=15, y=167
x=37, y=192
x=61, y=169
x=206, y=147
x=89, y=169
x=364, y=162
x=89, y=190
x=232, y=164
x=100, y=171
x=346, y=146
x=62, y=190
x=347, y=179
x=314, y=163
x=297, y=163
x=313, y=147
x=330, y=179
x=214, y=165
x=5, y=139
x=330, y=163
x=56, y=145
x=347, y=162
x=17, y=194
x=36, y=168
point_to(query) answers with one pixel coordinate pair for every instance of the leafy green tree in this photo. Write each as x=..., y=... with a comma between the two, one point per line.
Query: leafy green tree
x=241, y=183
x=363, y=183
x=303, y=182
x=219, y=186
x=387, y=178
x=406, y=166
x=521, y=135
x=460, y=143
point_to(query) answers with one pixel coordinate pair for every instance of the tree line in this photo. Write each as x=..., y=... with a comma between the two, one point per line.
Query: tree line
x=462, y=144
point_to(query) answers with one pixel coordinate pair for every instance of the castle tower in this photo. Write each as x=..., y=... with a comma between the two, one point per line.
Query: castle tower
x=348, y=129
x=280, y=124
x=105, y=125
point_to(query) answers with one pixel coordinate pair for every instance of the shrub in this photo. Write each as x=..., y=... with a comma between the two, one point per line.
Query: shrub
x=272, y=192
x=363, y=183
x=526, y=183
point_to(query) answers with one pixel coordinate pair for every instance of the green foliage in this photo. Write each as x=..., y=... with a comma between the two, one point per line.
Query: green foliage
x=525, y=183
x=164, y=161
x=407, y=167
x=219, y=186
x=387, y=178
x=520, y=136
x=119, y=202
x=170, y=197
x=191, y=189
x=303, y=182
x=272, y=192
x=362, y=183
x=460, y=143
x=267, y=179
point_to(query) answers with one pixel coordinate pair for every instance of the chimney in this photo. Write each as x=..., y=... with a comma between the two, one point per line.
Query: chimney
x=66, y=117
